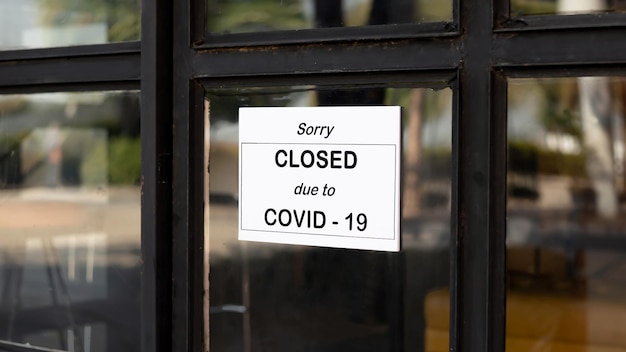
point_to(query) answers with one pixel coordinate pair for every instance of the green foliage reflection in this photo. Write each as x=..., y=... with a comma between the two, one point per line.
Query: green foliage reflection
x=251, y=16
x=124, y=160
x=122, y=17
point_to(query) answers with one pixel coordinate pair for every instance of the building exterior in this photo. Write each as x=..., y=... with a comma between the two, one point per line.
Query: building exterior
x=119, y=165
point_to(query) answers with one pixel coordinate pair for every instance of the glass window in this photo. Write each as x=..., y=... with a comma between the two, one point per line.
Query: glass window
x=294, y=298
x=565, y=7
x=26, y=24
x=237, y=16
x=70, y=220
x=566, y=235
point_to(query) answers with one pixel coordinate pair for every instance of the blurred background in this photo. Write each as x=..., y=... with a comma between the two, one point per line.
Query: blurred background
x=70, y=220
x=566, y=235
x=70, y=201
x=28, y=24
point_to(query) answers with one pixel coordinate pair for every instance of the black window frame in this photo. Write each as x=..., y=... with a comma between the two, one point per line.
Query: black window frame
x=173, y=63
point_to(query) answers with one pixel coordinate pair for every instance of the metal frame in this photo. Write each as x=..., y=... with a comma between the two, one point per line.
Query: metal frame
x=474, y=54
x=74, y=68
x=156, y=170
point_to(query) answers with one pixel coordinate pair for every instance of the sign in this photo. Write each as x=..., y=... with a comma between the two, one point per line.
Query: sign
x=322, y=176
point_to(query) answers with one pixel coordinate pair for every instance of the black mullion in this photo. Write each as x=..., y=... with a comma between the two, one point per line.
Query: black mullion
x=547, y=22
x=564, y=70
x=123, y=67
x=497, y=203
x=71, y=51
x=456, y=14
x=424, y=54
x=561, y=47
x=156, y=171
x=198, y=18
x=455, y=235
x=188, y=244
x=8, y=346
x=332, y=34
x=473, y=215
x=501, y=13
x=70, y=87
x=181, y=111
x=455, y=216
x=188, y=177
x=197, y=169
x=476, y=323
x=435, y=79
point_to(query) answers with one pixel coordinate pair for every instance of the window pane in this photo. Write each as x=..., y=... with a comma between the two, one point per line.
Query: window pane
x=296, y=298
x=28, y=24
x=566, y=234
x=70, y=220
x=565, y=7
x=237, y=16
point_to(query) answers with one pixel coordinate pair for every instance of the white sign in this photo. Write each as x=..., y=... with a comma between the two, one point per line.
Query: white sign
x=322, y=176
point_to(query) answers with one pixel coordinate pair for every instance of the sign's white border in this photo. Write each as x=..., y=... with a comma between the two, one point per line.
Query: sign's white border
x=373, y=188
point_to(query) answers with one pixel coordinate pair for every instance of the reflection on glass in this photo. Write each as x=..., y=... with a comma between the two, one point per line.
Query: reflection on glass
x=237, y=16
x=565, y=7
x=26, y=24
x=70, y=220
x=296, y=298
x=566, y=236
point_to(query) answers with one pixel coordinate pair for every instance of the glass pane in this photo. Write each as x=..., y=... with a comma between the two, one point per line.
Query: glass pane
x=565, y=7
x=26, y=24
x=70, y=220
x=298, y=298
x=566, y=234
x=237, y=16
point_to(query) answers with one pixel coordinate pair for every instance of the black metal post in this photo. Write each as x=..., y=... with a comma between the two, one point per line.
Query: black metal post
x=156, y=170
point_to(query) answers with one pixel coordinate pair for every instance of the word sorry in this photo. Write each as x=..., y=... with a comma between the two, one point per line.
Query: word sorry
x=315, y=130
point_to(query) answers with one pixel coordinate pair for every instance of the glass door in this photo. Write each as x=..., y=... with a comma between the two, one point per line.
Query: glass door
x=293, y=297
